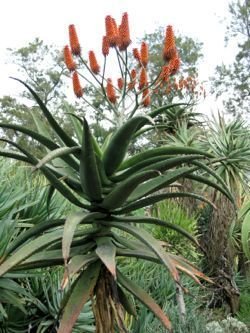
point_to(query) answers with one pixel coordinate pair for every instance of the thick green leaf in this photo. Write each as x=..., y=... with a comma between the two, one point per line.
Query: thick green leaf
x=122, y=191
x=15, y=155
x=78, y=296
x=70, y=226
x=51, y=177
x=209, y=182
x=159, y=197
x=155, y=221
x=149, y=241
x=49, y=258
x=125, y=301
x=167, y=109
x=76, y=263
x=54, y=124
x=118, y=145
x=159, y=182
x=59, y=152
x=33, y=232
x=165, y=150
x=49, y=144
x=89, y=173
x=217, y=177
x=106, y=251
x=139, y=254
x=143, y=297
x=28, y=249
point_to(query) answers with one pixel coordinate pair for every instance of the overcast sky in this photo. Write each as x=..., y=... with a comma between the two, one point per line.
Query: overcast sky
x=21, y=21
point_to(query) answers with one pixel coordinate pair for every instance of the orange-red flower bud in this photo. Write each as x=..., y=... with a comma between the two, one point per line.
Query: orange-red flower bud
x=169, y=51
x=111, y=31
x=131, y=84
x=124, y=35
x=120, y=83
x=143, y=80
x=73, y=40
x=165, y=73
x=93, y=63
x=105, y=46
x=175, y=64
x=68, y=59
x=137, y=55
x=78, y=90
x=110, y=91
x=146, y=98
x=144, y=54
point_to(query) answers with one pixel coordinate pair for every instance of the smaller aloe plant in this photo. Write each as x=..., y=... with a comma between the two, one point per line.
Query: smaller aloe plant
x=107, y=186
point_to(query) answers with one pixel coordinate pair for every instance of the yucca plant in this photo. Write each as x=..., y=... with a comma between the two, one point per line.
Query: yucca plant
x=107, y=186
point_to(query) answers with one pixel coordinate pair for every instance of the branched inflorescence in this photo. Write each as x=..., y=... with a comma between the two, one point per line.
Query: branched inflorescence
x=133, y=84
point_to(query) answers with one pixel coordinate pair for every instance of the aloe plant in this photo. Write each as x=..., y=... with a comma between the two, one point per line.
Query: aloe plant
x=107, y=186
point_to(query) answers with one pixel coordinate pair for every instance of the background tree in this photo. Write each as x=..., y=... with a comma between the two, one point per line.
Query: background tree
x=232, y=82
x=43, y=68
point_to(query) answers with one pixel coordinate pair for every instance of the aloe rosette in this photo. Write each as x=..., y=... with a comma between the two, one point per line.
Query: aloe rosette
x=106, y=185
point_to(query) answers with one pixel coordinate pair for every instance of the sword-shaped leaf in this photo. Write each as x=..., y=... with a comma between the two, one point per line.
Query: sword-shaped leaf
x=106, y=251
x=165, y=150
x=119, y=142
x=89, y=174
x=70, y=226
x=159, y=197
x=59, y=152
x=150, y=242
x=155, y=221
x=28, y=249
x=79, y=294
x=122, y=191
x=159, y=182
x=54, y=124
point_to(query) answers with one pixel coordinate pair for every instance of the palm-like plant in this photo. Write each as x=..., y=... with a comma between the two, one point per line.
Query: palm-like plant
x=231, y=141
x=107, y=187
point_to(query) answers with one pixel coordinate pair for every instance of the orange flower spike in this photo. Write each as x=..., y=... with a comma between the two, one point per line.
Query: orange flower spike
x=169, y=51
x=68, y=59
x=111, y=31
x=78, y=90
x=144, y=54
x=73, y=40
x=146, y=98
x=105, y=46
x=143, y=80
x=120, y=83
x=137, y=55
x=124, y=34
x=94, y=66
x=110, y=91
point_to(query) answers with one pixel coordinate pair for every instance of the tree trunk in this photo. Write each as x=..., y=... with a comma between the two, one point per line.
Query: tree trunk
x=219, y=256
x=106, y=306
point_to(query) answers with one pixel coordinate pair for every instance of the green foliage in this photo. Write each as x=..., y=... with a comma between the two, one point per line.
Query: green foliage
x=232, y=82
x=153, y=279
x=172, y=212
